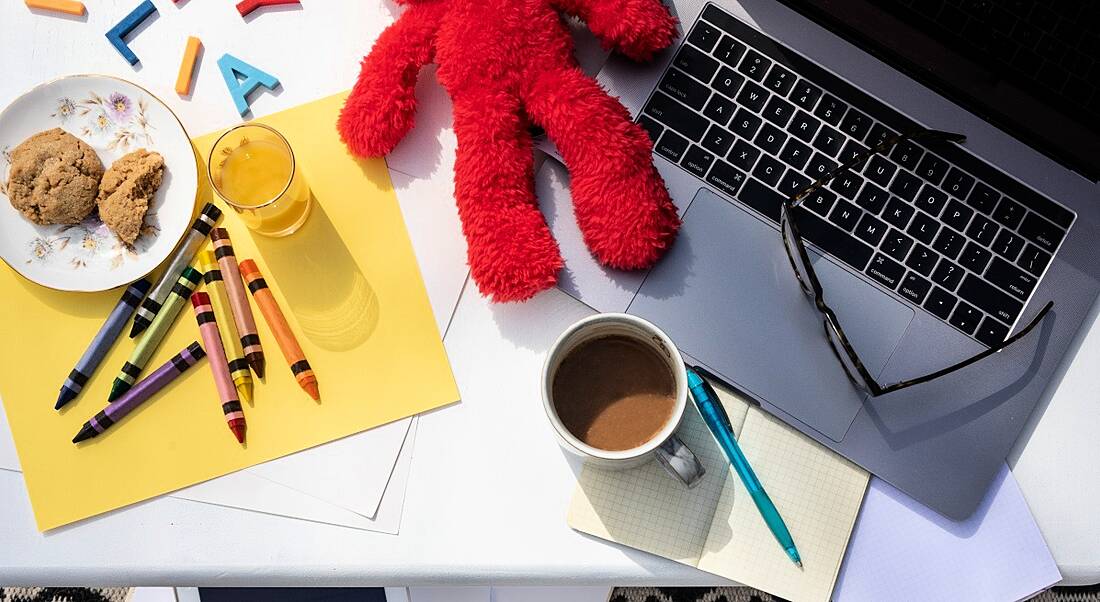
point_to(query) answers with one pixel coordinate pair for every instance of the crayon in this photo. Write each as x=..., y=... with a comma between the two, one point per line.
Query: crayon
x=238, y=300
x=141, y=392
x=148, y=344
x=184, y=254
x=101, y=344
x=238, y=366
x=208, y=326
x=292, y=351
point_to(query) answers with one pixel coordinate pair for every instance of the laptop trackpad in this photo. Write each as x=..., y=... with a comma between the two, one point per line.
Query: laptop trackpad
x=726, y=295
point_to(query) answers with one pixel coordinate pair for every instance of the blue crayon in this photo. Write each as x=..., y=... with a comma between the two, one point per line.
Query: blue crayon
x=102, y=342
x=116, y=36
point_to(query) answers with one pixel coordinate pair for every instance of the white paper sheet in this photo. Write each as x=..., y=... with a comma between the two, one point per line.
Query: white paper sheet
x=901, y=550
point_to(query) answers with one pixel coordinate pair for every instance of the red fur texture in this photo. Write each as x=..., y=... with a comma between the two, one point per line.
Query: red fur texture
x=505, y=62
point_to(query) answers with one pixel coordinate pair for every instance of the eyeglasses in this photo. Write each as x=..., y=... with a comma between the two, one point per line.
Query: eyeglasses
x=807, y=277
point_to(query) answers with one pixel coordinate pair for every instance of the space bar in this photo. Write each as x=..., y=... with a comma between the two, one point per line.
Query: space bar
x=833, y=240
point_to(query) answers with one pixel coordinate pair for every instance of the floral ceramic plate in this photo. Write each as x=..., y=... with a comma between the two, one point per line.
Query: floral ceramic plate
x=114, y=117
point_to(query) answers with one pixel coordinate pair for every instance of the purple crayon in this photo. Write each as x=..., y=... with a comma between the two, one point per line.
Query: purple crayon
x=141, y=392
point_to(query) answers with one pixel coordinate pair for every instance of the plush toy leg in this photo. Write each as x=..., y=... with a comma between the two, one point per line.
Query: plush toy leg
x=511, y=252
x=620, y=200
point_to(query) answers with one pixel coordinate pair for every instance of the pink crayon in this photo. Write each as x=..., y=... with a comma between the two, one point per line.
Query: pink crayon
x=227, y=391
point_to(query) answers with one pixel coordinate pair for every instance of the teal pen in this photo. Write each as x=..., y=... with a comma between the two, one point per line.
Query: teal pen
x=710, y=408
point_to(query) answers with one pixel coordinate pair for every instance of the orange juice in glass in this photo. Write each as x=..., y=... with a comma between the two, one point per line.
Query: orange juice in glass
x=252, y=168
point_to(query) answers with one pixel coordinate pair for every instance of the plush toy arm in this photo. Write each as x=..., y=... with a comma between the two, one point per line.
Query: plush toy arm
x=636, y=28
x=381, y=107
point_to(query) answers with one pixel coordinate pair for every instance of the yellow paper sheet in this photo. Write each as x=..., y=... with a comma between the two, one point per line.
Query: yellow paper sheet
x=347, y=281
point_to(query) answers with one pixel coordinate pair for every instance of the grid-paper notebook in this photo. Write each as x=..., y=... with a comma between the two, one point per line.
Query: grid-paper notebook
x=716, y=526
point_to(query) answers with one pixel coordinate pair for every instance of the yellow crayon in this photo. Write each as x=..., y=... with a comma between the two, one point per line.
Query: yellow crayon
x=219, y=299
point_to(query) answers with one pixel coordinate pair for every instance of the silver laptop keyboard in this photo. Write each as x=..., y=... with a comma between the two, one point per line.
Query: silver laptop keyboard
x=936, y=226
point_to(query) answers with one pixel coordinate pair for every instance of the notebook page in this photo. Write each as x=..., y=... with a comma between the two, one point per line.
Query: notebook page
x=648, y=509
x=817, y=492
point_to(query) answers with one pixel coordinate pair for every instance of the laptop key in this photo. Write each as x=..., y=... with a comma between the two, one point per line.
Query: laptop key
x=729, y=51
x=845, y=215
x=907, y=154
x=771, y=138
x=957, y=215
x=671, y=146
x=829, y=141
x=1008, y=245
x=940, y=303
x=905, y=185
x=676, y=116
x=982, y=230
x=922, y=259
x=957, y=183
x=792, y=183
x=830, y=109
x=965, y=317
x=923, y=228
x=729, y=179
x=695, y=63
x=871, y=229
x=990, y=299
x=855, y=124
x=728, y=81
x=1034, y=259
x=752, y=96
x=852, y=150
x=795, y=154
x=914, y=288
x=743, y=155
x=931, y=200
x=991, y=332
x=704, y=36
x=1041, y=232
x=769, y=170
x=898, y=213
x=820, y=202
x=974, y=258
x=820, y=166
x=947, y=274
x=697, y=160
x=651, y=127
x=878, y=134
x=719, y=109
x=804, y=126
x=682, y=87
x=847, y=184
x=1011, y=278
x=949, y=242
x=886, y=271
x=983, y=198
x=840, y=244
x=805, y=95
x=872, y=198
x=745, y=124
x=718, y=140
x=778, y=111
x=754, y=65
x=1009, y=212
x=880, y=170
x=896, y=245
x=932, y=168
x=779, y=80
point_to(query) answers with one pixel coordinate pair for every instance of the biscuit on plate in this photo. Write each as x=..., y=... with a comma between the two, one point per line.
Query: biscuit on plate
x=54, y=178
x=127, y=190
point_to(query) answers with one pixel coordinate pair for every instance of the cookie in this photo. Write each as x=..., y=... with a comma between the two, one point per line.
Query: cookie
x=126, y=191
x=54, y=178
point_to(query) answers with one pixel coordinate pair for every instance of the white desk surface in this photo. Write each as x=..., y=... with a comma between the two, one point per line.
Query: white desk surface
x=489, y=489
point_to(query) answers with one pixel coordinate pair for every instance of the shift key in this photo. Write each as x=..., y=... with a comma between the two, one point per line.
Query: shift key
x=990, y=299
x=676, y=116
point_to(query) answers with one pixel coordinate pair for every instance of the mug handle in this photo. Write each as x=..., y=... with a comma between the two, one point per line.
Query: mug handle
x=680, y=462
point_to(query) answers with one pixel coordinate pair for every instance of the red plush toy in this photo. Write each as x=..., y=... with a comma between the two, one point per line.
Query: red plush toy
x=504, y=62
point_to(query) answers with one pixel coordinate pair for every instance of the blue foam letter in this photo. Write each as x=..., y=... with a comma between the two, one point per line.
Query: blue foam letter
x=234, y=70
x=125, y=26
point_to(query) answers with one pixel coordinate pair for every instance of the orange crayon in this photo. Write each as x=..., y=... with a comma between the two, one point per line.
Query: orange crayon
x=292, y=351
x=71, y=7
x=187, y=65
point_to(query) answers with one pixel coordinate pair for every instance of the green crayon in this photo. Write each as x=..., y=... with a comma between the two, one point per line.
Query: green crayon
x=154, y=334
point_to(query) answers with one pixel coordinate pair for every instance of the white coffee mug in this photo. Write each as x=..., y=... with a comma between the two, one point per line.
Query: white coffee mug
x=665, y=445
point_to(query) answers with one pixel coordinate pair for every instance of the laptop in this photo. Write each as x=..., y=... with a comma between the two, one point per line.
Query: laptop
x=929, y=254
